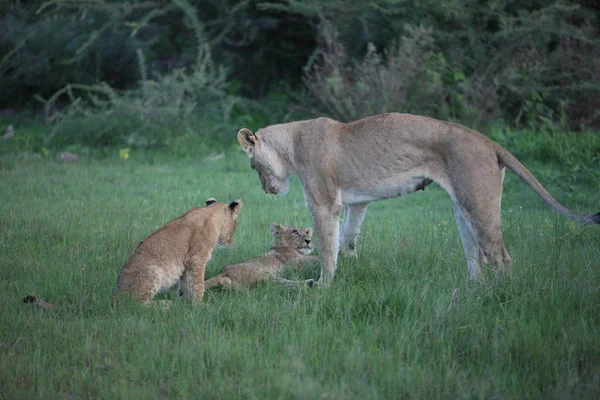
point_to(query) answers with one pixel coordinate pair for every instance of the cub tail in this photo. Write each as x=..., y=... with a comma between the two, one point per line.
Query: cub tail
x=36, y=301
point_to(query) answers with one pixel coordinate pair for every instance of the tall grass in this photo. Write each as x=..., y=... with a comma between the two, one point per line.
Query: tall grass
x=400, y=321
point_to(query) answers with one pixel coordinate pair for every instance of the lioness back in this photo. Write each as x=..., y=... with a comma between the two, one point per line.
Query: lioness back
x=179, y=251
x=291, y=247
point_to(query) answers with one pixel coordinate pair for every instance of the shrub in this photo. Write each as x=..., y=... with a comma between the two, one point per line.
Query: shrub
x=152, y=114
x=42, y=53
x=392, y=81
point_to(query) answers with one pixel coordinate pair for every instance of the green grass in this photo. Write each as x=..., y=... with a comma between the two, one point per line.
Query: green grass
x=401, y=321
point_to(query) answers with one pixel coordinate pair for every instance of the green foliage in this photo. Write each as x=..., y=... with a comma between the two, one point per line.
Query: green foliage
x=150, y=115
x=42, y=53
x=262, y=48
x=379, y=83
x=530, y=64
x=154, y=113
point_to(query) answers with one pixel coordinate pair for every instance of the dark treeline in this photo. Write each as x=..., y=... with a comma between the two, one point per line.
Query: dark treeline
x=526, y=62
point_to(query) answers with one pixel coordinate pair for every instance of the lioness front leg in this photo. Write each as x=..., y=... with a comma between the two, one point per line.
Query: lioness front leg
x=354, y=215
x=193, y=278
x=326, y=223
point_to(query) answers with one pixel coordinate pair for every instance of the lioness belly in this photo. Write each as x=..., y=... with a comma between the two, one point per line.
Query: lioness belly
x=384, y=190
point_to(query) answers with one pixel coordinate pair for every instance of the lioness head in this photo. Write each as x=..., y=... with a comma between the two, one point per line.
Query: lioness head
x=229, y=219
x=293, y=236
x=264, y=160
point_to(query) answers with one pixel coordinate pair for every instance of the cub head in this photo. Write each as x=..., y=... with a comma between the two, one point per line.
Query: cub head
x=293, y=236
x=266, y=161
x=228, y=216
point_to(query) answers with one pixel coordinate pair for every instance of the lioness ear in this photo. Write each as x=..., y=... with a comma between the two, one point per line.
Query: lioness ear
x=210, y=201
x=236, y=206
x=275, y=229
x=247, y=140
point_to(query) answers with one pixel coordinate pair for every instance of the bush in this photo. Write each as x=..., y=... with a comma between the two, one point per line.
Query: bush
x=43, y=53
x=529, y=63
x=153, y=114
x=392, y=81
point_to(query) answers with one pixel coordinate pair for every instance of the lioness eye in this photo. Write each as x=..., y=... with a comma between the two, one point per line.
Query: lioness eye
x=296, y=233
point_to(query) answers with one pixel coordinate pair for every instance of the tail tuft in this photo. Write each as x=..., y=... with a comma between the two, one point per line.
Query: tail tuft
x=593, y=219
x=29, y=299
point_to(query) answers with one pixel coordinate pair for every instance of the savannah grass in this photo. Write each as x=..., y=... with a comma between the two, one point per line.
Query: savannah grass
x=400, y=321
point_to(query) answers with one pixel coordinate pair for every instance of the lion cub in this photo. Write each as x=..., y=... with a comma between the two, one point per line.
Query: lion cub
x=179, y=251
x=292, y=246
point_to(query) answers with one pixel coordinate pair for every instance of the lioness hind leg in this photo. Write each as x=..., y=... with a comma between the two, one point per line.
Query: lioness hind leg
x=488, y=246
x=354, y=215
x=477, y=196
x=486, y=230
x=476, y=260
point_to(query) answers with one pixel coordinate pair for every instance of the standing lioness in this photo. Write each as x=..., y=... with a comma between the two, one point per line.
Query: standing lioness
x=386, y=156
x=179, y=251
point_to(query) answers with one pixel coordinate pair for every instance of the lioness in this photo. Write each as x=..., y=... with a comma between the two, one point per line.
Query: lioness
x=179, y=251
x=390, y=155
x=291, y=246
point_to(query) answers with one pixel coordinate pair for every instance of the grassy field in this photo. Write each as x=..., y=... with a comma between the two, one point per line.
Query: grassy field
x=401, y=321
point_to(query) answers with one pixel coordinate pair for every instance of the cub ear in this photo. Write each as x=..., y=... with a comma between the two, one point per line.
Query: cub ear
x=236, y=206
x=275, y=229
x=210, y=201
x=309, y=231
x=247, y=140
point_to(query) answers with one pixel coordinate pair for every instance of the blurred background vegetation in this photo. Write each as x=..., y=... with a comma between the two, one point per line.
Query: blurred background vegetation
x=183, y=74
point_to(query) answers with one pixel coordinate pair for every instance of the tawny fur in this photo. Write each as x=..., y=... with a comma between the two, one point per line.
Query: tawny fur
x=179, y=251
x=291, y=247
x=389, y=155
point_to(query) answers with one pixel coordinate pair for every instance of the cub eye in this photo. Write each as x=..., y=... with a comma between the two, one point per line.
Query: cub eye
x=296, y=233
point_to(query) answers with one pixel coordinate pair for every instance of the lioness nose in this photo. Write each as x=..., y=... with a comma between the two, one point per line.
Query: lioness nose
x=307, y=241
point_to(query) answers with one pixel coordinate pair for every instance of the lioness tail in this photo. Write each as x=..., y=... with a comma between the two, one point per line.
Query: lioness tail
x=522, y=172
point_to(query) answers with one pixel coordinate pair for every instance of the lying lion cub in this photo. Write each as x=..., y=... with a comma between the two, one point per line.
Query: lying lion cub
x=179, y=251
x=292, y=246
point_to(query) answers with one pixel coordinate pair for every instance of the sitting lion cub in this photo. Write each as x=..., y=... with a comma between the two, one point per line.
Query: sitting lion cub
x=292, y=244
x=179, y=251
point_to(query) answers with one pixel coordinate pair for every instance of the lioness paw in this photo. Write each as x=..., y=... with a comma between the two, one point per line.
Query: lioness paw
x=348, y=253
